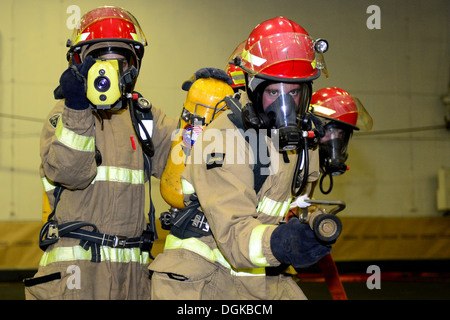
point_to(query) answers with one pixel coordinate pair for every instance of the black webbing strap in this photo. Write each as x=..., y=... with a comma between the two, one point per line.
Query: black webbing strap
x=151, y=213
x=236, y=118
x=29, y=282
x=90, y=239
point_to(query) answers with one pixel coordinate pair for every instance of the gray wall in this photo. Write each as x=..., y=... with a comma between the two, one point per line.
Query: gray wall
x=399, y=72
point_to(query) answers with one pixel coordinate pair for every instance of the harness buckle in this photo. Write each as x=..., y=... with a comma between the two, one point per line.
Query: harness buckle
x=147, y=239
x=119, y=242
x=53, y=230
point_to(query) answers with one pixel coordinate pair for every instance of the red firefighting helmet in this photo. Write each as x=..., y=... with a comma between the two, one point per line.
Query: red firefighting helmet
x=236, y=74
x=111, y=25
x=337, y=104
x=280, y=50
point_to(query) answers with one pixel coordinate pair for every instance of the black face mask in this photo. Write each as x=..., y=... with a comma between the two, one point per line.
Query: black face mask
x=285, y=113
x=285, y=116
x=333, y=151
x=283, y=119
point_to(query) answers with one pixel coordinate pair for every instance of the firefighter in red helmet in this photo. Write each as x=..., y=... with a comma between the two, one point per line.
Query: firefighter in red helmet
x=103, y=25
x=96, y=159
x=231, y=240
x=341, y=114
x=234, y=72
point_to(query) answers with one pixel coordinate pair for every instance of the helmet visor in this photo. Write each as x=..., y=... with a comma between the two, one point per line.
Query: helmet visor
x=108, y=23
x=99, y=50
x=236, y=74
x=344, y=108
x=365, y=121
x=278, y=48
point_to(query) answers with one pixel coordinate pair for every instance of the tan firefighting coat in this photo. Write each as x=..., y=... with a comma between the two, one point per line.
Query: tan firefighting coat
x=110, y=196
x=232, y=263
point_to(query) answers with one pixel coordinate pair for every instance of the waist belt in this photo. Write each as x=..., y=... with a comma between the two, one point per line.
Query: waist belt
x=51, y=232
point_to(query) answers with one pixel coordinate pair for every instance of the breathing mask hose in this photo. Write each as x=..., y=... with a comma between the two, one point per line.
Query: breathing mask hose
x=297, y=171
x=321, y=183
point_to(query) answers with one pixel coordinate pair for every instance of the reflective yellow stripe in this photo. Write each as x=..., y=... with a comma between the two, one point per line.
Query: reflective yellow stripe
x=273, y=208
x=107, y=254
x=238, y=77
x=255, y=246
x=191, y=244
x=267, y=206
x=48, y=185
x=73, y=140
x=116, y=174
x=186, y=187
x=105, y=173
x=242, y=272
x=255, y=60
x=200, y=248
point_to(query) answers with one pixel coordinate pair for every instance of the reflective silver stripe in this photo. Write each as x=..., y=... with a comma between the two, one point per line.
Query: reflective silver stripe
x=202, y=249
x=48, y=185
x=273, y=208
x=123, y=255
x=105, y=173
x=187, y=187
x=321, y=109
x=73, y=140
x=116, y=174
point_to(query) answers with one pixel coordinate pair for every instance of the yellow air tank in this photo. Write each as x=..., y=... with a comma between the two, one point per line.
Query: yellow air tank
x=203, y=103
x=46, y=209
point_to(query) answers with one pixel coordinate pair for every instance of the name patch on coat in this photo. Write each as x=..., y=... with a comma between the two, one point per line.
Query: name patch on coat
x=214, y=160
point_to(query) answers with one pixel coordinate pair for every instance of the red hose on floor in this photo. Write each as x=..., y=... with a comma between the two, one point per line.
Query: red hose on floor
x=331, y=275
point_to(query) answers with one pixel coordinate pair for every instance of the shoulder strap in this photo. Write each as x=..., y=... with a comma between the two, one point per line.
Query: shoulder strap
x=140, y=112
x=235, y=117
x=191, y=222
x=151, y=214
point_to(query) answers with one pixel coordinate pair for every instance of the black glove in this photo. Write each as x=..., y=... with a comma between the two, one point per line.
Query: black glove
x=73, y=84
x=294, y=243
x=215, y=73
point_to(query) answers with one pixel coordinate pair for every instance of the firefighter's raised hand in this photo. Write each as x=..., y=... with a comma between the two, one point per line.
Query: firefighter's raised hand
x=73, y=84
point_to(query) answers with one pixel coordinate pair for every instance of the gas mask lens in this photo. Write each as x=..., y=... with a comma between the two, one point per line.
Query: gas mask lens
x=333, y=149
x=282, y=105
